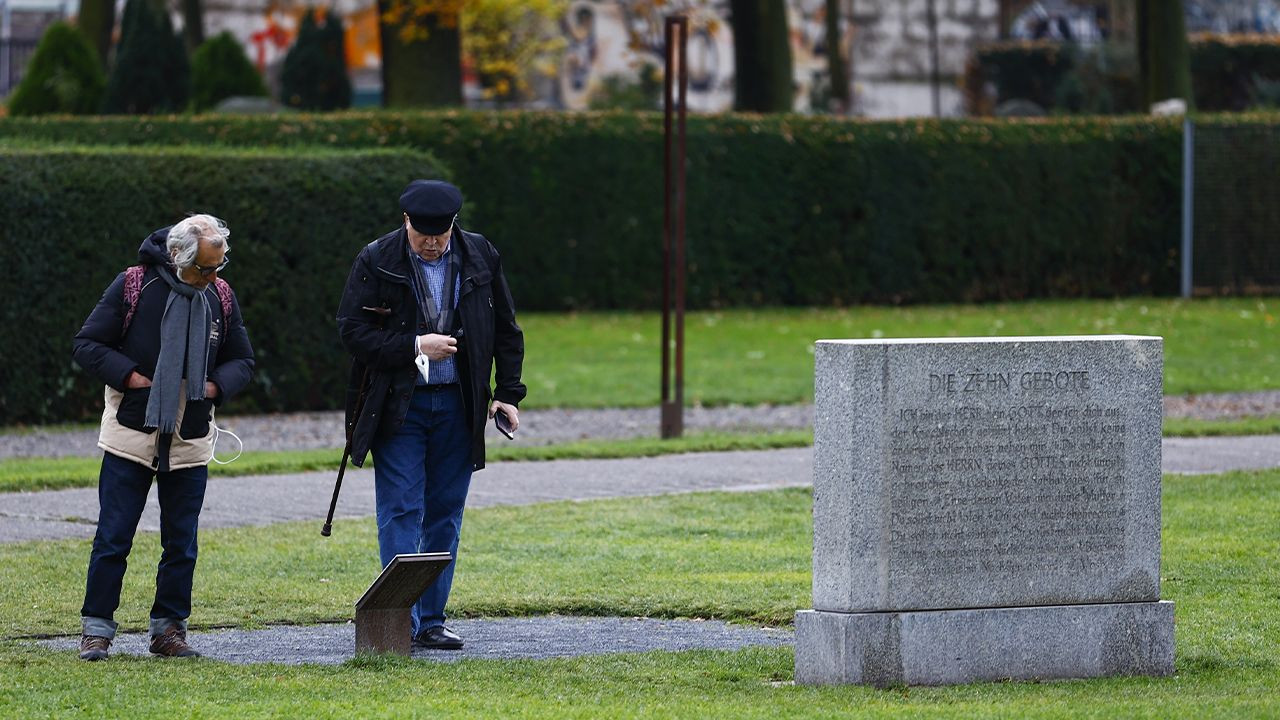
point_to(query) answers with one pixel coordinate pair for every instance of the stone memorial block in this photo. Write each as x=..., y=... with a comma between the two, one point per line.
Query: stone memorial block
x=959, y=479
x=383, y=623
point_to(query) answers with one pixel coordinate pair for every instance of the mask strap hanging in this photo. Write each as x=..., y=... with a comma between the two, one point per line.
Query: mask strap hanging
x=213, y=451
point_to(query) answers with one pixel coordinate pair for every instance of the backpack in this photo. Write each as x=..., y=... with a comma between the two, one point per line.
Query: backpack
x=133, y=291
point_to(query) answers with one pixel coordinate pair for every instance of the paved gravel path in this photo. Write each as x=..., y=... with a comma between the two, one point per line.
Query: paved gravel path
x=304, y=431
x=486, y=639
x=266, y=499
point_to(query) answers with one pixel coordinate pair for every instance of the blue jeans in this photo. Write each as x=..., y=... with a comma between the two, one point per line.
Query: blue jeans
x=421, y=475
x=122, y=495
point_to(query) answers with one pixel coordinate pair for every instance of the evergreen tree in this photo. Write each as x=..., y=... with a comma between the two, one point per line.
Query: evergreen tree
x=219, y=70
x=193, y=24
x=96, y=20
x=421, y=54
x=1164, y=56
x=151, y=73
x=315, y=70
x=63, y=76
x=761, y=55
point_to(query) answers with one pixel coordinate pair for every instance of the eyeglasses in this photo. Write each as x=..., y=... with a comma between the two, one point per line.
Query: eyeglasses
x=207, y=271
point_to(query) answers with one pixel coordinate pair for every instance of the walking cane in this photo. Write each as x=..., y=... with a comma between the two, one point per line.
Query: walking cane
x=327, y=530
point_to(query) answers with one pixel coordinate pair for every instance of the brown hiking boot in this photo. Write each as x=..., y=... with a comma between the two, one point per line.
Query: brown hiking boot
x=94, y=647
x=172, y=643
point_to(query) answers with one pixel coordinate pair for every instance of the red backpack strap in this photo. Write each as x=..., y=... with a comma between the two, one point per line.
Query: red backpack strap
x=132, y=291
x=224, y=296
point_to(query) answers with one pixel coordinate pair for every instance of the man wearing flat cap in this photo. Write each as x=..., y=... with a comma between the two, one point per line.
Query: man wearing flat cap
x=431, y=291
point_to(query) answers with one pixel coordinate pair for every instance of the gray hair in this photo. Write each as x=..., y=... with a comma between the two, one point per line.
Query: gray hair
x=184, y=238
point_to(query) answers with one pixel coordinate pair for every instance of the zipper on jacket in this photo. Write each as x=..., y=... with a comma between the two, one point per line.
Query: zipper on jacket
x=396, y=276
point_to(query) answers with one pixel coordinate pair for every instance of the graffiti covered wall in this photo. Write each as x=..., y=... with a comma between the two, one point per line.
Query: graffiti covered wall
x=604, y=39
x=616, y=38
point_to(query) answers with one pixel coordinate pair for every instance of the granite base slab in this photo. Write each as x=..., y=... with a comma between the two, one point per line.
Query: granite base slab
x=946, y=647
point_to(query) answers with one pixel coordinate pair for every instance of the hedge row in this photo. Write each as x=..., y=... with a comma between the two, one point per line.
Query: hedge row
x=72, y=218
x=1225, y=71
x=1226, y=68
x=1237, y=207
x=782, y=210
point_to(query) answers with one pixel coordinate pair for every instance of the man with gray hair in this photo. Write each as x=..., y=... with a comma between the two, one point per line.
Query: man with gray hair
x=168, y=342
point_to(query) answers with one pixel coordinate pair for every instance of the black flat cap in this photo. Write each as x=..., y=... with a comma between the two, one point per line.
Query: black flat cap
x=432, y=205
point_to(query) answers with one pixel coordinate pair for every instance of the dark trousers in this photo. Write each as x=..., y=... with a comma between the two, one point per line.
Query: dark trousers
x=421, y=476
x=122, y=494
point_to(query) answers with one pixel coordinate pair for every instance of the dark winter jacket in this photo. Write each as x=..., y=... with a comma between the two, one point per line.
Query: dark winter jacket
x=379, y=321
x=110, y=354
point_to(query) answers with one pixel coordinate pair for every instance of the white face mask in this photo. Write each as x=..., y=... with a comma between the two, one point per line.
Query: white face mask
x=424, y=366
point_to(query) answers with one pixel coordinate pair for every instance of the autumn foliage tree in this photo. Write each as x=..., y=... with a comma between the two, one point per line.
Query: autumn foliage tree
x=510, y=42
x=423, y=42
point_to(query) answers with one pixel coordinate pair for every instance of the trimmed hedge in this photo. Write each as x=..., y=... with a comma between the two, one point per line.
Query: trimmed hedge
x=1225, y=69
x=782, y=209
x=1236, y=208
x=72, y=218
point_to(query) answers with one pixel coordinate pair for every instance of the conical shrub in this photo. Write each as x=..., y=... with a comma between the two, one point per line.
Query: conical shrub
x=151, y=73
x=315, y=70
x=63, y=76
x=219, y=70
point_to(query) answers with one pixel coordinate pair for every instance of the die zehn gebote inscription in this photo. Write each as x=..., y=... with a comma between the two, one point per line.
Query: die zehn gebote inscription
x=1006, y=473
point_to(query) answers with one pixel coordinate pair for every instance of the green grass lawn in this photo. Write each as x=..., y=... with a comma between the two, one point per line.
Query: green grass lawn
x=1191, y=427
x=766, y=356
x=740, y=557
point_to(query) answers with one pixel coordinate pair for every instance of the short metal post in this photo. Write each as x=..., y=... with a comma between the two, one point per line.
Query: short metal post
x=1188, y=200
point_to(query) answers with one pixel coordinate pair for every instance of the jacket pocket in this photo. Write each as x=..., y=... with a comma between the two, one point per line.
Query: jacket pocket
x=195, y=420
x=132, y=412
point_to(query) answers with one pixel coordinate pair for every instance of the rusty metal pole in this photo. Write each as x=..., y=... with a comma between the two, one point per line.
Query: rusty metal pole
x=676, y=55
x=680, y=208
x=668, y=48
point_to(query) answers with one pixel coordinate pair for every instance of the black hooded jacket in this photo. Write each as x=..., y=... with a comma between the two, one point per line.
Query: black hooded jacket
x=110, y=354
x=379, y=319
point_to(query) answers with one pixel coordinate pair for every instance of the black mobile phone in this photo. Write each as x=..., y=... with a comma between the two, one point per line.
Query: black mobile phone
x=503, y=423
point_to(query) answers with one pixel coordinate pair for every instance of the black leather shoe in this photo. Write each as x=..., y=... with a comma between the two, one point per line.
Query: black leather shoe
x=437, y=638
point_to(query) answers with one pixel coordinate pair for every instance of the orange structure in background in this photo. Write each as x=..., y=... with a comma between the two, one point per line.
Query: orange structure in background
x=362, y=43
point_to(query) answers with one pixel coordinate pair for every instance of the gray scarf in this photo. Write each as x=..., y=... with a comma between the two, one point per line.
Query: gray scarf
x=184, y=346
x=439, y=316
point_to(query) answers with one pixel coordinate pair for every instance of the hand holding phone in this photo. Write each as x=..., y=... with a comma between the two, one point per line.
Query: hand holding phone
x=503, y=423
